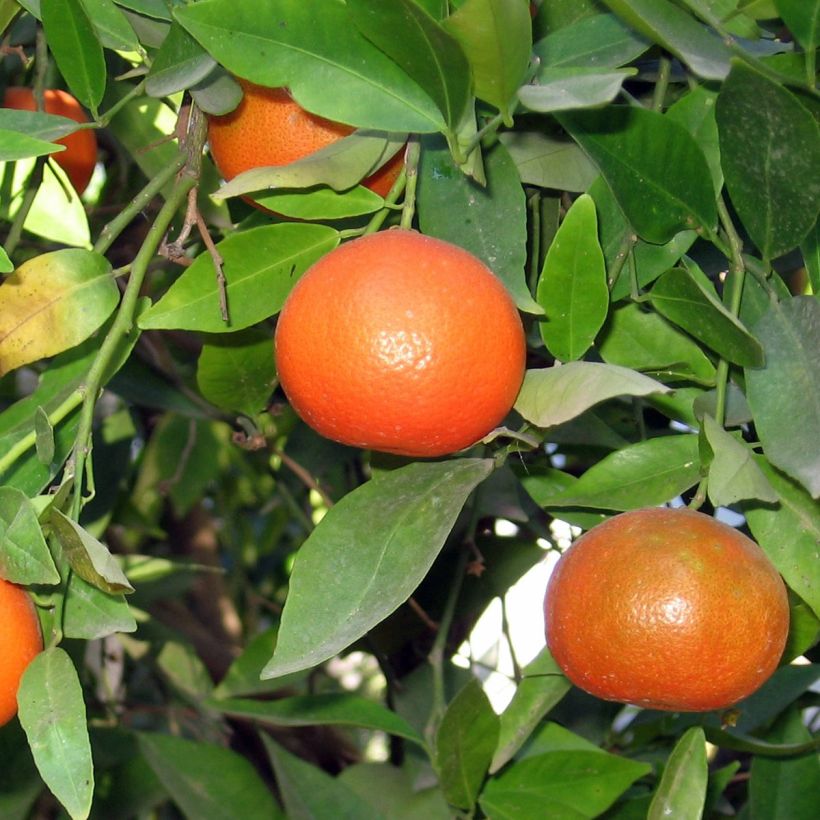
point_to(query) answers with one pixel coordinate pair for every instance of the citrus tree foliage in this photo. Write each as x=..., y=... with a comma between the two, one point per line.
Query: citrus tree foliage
x=643, y=177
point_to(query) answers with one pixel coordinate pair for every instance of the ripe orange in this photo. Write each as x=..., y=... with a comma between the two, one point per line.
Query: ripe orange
x=268, y=128
x=666, y=609
x=402, y=343
x=20, y=641
x=80, y=155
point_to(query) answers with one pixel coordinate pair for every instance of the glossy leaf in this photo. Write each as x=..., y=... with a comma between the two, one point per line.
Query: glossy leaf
x=15, y=145
x=490, y=222
x=112, y=27
x=685, y=300
x=334, y=709
x=369, y=553
x=789, y=534
x=541, y=687
x=733, y=472
x=419, y=45
x=180, y=63
x=52, y=712
x=44, y=437
x=641, y=475
x=785, y=394
x=655, y=168
x=315, y=50
x=309, y=792
x=6, y=265
x=51, y=303
x=548, y=162
x=465, y=742
x=321, y=203
x=572, y=289
x=682, y=790
x=261, y=265
x=89, y=558
x=91, y=613
x=695, y=111
x=341, y=165
x=236, y=371
x=770, y=150
x=24, y=555
x=151, y=8
x=496, y=36
x=644, y=340
x=566, y=784
x=553, y=395
x=666, y=24
x=811, y=257
x=76, y=49
x=561, y=89
x=803, y=19
x=206, y=780
x=218, y=93
x=600, y=41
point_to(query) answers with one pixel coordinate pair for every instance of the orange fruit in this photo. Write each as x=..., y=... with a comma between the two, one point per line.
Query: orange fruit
x=80, y=155
x=666, y=609
x=402, y=343
x=268, y=128
x=20, y=641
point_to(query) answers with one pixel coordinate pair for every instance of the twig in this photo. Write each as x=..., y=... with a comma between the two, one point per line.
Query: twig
x=419, y=610
x=221, y=283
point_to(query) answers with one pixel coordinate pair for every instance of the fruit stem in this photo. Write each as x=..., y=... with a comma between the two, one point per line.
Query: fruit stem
x=411, y=165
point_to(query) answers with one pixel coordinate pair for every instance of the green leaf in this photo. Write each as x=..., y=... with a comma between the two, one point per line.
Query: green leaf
x=14, y=146
x=52, y=712
x=236, y=371
x=310, y=793
x=572, y=289
x=150, y=8
x=785, y=394
x=641, y=475
x=76, y=49
x=44, y=442
x=53, y=302
x=332, y=709
x=685, y=300
x=24, y=555
x=218, y=93
x=112, y=27
x=785, y=787
x=490, y=222
x=803, y=19
x=465, y=742
x=655, y=168
x=496, y=36
x=644, y=340
x=553, y=395
x=733, y=472
x=548, y=162
x=315, y=50
x=91, y=614
x=811, y=257
x=210, y=781
x=770, y=150
x=541, y=687
x=369, y=553
x=789, y=534
x=695, y=111
x=6, y=265
x=261, y=266
x=682, y=790
x=671, y=27
x=180, y=63
x=89, y=558
x=419, y=45
x=599, y=41
x=561, y=784
x=321, y=203
x=561, y=89
x=341, y=165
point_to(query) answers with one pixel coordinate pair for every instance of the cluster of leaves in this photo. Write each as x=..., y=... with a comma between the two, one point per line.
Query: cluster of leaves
x=641, y=174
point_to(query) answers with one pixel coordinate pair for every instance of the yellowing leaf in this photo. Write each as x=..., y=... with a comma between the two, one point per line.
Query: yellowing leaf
x=52, y=303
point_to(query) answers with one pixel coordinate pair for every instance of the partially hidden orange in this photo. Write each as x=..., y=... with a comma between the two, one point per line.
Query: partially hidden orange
x=20, y=641
x=268, y=128
x=80, y=155
x=666, y=609
x=402, y=343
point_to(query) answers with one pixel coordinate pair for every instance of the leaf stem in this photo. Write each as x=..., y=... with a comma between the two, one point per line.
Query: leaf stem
x=661, y=83
x=411, y=164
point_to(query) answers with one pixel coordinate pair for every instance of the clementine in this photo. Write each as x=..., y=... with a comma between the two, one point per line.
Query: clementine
x=402, y=343
x=20, y=641
x=80, y=155
x=666, y=609
x=268, y=128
